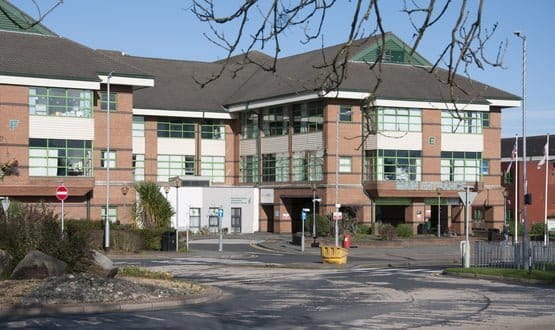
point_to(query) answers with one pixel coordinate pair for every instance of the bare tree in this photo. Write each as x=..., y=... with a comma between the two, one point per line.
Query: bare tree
x=29, y=22
x=262, y=24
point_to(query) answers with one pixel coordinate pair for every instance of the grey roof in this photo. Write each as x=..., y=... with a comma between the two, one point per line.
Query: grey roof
x=534, y=146
x=178, y=83
x=36, y=55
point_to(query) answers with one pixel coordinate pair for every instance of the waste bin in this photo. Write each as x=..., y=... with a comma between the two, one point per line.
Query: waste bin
x=168, y=241
x=296, y=238
x=347, y=241
x=493, y=234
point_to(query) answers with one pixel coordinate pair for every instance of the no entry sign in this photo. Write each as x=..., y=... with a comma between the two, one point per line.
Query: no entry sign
x=61, y=193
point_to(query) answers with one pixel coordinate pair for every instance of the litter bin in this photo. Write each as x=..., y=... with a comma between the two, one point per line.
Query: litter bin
x=168, y=241
x=346, y=241
x=493, y=234
x=296, y=238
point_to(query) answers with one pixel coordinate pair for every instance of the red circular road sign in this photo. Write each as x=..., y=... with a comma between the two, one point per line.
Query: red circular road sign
x=61, y=193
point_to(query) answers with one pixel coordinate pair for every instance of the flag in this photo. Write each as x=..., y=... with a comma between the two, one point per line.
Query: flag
x=514, y=155
x=544, y=158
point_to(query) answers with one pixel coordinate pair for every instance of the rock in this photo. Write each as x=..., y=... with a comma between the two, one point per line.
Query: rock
x=5, y=261
x=101, y=265
x=38, y=265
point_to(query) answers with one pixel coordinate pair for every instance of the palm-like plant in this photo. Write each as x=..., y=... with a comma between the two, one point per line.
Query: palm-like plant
x=153, y=210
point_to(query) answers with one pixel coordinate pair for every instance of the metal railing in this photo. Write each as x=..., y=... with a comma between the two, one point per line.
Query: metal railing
x=509, y=255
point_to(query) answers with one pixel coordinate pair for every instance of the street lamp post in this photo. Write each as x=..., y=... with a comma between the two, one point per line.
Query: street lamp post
x=314, y=201
x=124, y=191
x=108, y=163
x=176, y=183
x=438, y=190
x=527, y=198
x=337, y=205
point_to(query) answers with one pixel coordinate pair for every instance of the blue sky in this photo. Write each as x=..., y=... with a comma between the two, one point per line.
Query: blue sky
x=167, y=29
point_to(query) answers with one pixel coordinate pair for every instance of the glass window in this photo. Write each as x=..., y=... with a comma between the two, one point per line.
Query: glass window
x=308, y=166
x=249, y=125
x=213, y=219
x=345, y=164
x=393, y=165
x=467, y=122
x=275, y=122
x=56, y=157
x=112, y=213
x=138, y=164
x=275, y=168
x=176, y=129
x=461, y=166
x=175, y=165
x=213, y=167
x=60, y=102
x=308, y=117
x=213, y=130
x=108, y=159
x=345, y=113
x=138, y=126
x=104, y=101
x=399, y=119
x=249, y=169
x=194, y=217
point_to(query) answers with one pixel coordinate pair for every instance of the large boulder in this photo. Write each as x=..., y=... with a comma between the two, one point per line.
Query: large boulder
x=5, y=261
x=38, y=265
x=101, y=265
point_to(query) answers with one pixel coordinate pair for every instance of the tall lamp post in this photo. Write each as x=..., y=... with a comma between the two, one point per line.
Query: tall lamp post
x=337, y=205
x=108, y=163
x=314, y=201
x=176, y=184
x=124, y=191
x=438, y=190
x=527, y=197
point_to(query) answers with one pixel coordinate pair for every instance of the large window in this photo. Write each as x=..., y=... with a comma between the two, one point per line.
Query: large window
x=469, y=122
x=459, y=166
x=138, y=126
x=249, y=169
x=60, y=102
x=308, y=117
x=275, y=122
x=194, y=217
x=249, y=125
x=214, y=130
x=393, y=165
x=308, y=166
x=399, y=119
x=175, y=165
x=176, y=129
x=103, y=99
x=138, y=165
x=213, y=167
x=56, y=157
x=275, y=168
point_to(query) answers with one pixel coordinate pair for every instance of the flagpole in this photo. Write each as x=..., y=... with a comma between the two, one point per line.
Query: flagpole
x=545, y=232
x=516, y=190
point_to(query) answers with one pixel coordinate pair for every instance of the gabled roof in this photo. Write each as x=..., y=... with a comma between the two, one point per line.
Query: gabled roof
x=15, y=20
x=53, y=57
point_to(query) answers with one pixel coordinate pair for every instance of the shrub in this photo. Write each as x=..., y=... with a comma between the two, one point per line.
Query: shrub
x=363, y=229
x=153, y=210
x=387, y=231
x=152, y=238
x=537, y=230
x=125, y=240
x=323, y=225
x=404, y=230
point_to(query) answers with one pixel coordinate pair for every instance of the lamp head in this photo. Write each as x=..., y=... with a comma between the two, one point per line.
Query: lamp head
x=517, y=33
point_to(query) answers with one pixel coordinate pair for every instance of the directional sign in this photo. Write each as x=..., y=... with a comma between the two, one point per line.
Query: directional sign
x=221, y=213
x=303, y=215
x=62, y=193
x=337, y=215
x=469, y=198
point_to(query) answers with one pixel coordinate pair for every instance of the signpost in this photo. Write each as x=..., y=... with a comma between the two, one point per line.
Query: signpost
x=62, y=194
x=303, y=219
x=467, y=197
x=220, y=240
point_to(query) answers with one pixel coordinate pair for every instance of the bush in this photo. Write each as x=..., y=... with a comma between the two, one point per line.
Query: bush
x=152, y=238
x=125, y=240
x=36, y=227
x=323, y=225
x=404, y=230
x=363, y=229
x=387, y=232
x=537, y=230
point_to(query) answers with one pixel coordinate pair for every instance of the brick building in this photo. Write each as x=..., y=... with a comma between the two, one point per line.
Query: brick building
x=400, y=154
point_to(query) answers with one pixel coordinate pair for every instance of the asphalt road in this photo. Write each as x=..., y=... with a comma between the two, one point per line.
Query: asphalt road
x=258, y=296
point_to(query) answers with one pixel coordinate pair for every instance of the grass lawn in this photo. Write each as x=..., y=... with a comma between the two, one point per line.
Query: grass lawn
x=547, y=276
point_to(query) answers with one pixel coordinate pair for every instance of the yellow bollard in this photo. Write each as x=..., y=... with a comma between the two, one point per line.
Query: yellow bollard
x=334, y=255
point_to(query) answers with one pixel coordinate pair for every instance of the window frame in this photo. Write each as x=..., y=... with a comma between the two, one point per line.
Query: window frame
x=213, y=167
x=112, y=216
x=138, y=171
x=52, y=99
x=345, y=164
x=391, y=119
x=345, y=113
x=194, y=216
x=166, y=168
x=60, y=157
x=175, y=129
x=102, y=101
x=454, y=164
x=110, y=161
x=385, y=165
x=308, y=117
